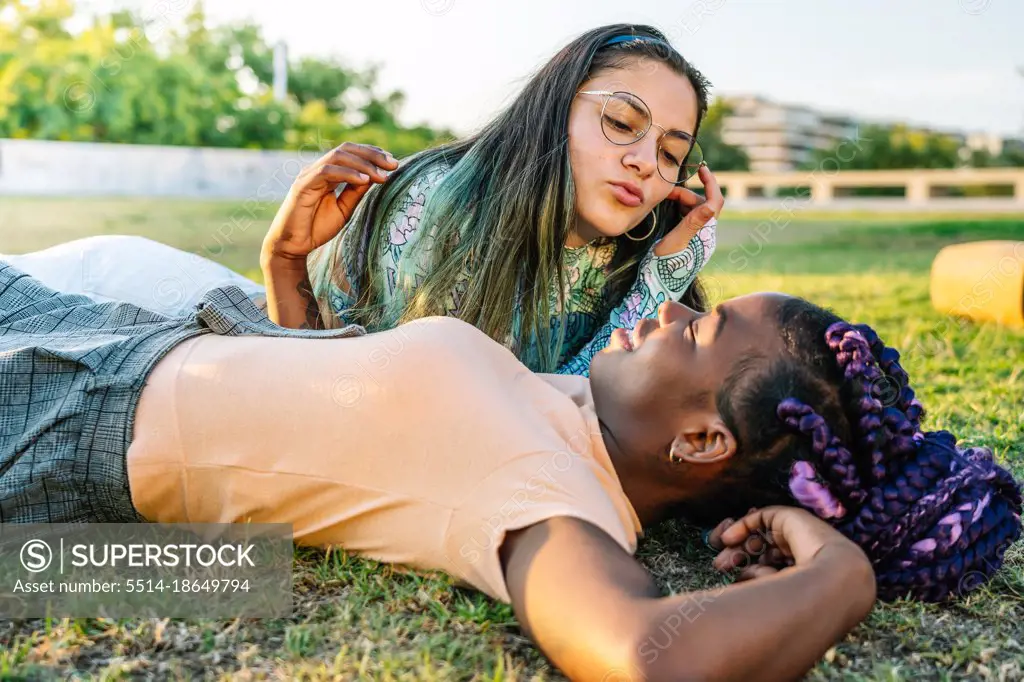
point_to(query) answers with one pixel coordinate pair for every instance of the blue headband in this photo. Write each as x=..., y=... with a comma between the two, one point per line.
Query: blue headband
x=630, y=39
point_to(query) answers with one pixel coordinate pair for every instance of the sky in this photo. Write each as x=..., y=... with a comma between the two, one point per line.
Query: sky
x=948, y=64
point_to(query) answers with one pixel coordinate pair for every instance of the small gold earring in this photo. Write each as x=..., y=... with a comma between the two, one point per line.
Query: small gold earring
x=673, y=457
x=654, y=224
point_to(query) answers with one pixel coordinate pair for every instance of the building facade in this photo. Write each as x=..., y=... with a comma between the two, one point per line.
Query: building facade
x=781, y=137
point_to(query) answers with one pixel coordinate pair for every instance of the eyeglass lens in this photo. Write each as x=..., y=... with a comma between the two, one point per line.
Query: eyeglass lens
x=626, y=119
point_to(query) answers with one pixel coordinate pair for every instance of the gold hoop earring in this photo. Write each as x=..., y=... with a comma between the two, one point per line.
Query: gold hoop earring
x=672, y=456
x=654, y=224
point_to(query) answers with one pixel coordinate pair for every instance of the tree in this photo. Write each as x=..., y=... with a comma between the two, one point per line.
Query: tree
x=890, y=147
x=1011, y=156
x=720, y=156
x=201, y=85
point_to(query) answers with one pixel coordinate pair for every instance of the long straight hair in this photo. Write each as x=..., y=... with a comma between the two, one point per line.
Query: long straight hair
x=502, y=212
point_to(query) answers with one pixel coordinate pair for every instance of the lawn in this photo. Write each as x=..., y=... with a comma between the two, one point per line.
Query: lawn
x=356, y=619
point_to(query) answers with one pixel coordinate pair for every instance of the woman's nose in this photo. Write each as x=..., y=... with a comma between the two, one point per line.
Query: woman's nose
x=672, y=311
x=641, y=156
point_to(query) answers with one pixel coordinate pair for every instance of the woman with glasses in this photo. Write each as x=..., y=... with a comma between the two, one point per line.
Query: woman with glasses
x=563, y=219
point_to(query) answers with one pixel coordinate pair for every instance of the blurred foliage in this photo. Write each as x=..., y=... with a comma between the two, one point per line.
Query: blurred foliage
x=719, y=155
x=150, y=80
x=1011, y=156
x=900, y=146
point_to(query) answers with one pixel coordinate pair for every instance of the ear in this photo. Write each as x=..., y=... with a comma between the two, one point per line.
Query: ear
x=704, y=439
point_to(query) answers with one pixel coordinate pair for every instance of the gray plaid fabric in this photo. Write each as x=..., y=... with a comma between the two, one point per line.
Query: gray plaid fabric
x=71, y=374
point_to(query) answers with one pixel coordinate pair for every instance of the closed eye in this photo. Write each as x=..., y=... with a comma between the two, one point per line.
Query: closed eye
x=619, y=125
x=693, y=330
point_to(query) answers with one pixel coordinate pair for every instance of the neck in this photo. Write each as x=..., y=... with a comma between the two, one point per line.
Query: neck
x=651, y=503
x=575, y=241
x=580, y=235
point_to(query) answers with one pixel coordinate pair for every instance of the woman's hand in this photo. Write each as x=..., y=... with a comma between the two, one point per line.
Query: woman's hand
x=699, y=211
x=767, y=540
x=311, y=214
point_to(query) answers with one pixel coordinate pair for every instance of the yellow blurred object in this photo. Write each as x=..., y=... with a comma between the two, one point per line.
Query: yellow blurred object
x=980, y=280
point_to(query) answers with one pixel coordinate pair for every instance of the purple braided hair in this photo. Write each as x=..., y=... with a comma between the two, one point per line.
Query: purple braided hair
x=934, y=519
x=842, y=484
x=888, y=360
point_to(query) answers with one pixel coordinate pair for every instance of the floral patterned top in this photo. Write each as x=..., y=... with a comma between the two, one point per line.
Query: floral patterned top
x=588, y=326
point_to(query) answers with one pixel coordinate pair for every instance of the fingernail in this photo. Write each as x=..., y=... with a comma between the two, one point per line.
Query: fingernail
x=391, y=158
x=364, y=176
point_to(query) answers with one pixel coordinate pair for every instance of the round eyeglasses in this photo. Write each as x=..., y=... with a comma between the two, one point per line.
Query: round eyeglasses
x=625, y=118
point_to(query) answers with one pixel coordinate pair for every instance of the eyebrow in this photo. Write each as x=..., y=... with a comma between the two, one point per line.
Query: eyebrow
x=682, y=134
x=679, y=132
x=722, y=317
x=635, y=107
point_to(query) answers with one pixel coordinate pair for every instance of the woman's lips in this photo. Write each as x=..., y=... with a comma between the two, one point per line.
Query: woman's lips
x=643, y=327
x=630, y=339
x=621, y=337
x=625, y=196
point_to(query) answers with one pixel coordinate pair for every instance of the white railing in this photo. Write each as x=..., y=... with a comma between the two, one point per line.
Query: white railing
x=43, y=168
x=923, y=188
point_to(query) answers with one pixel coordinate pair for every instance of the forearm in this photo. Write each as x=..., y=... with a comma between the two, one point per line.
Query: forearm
x=638, y=303
x=773, y=628
x=664, y=274
x=290, y=299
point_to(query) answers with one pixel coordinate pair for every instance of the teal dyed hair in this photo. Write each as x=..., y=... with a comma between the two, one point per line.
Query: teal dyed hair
x=505, y=208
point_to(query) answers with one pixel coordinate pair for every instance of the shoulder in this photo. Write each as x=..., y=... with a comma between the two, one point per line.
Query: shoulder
x=427, y=181
x=403, y=218
x=452, y=340
x=526, y=491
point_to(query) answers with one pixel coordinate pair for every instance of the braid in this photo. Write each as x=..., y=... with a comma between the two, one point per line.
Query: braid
x=888, y=360
x=959, y=528
x=855, y=359
x=934, y=519
x=837, y=461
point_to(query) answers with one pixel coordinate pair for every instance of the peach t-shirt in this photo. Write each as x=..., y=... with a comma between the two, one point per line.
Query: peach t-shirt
x=420, y=446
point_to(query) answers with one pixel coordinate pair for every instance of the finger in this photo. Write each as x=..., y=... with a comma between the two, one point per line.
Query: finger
x=371, y=153
x=770, y=522
x=330, y=176
x=389, y=160
x=755, y=571
x=755, y=545
x=685, y=196
x=715, y=535
x=380, y=157
x=350, y=197
x=712, y=191
x=751, y=523
x=774, y=557
x=730, y=558
x=352, y=160
x=698, y=217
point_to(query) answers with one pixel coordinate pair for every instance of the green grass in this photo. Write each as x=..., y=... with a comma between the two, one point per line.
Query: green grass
x=225, y=231
x=357, y=619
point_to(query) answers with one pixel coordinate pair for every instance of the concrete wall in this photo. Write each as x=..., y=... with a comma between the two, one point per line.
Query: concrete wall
x=44, y=168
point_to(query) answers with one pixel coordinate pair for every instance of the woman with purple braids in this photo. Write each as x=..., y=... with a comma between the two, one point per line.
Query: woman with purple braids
x=933, y=518
x=439, y=449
